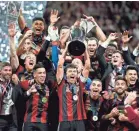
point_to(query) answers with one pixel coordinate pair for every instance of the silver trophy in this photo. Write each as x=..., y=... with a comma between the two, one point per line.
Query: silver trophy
x=77, y=46
x=13, y=8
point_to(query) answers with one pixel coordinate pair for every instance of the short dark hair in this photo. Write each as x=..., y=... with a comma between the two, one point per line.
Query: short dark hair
x=92, y=38
x=38, y=18
x=65, y=27
x=117, y=51
x=113, y=45
x=131, y=67
x=120, y=77
x=5, y=64
x=38, y=65
x=69, y=66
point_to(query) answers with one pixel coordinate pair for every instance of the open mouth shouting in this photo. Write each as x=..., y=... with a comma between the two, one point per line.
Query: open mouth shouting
x=109, y=55
x=31, y=63
x=72, y=77
x=132, y=80
x=114, y=62
x=91, y=52
x=38, y=31
x=95, y=92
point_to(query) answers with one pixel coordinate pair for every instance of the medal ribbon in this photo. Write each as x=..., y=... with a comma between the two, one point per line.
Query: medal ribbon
x=4, y=87
x=73, y=89
x=42, y=91
x=95, y=105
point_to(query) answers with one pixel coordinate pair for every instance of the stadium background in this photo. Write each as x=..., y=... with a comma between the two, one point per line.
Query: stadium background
x=111, y=16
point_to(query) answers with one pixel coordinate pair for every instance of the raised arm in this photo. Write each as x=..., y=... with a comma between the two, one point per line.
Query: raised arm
x=132, y=114
x=63, y=38
x=126, y=52
x=100, y=34
x=13, y=55
x=55, y=54
x=136, y=51
x=53, y=29
x=20, y=50
x=21, y=20
x=101, y=50
x=111, y=37
x=54, y=17
x=87, y=65
x=60, y=69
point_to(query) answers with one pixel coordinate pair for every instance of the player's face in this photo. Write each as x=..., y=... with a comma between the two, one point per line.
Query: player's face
x=38, y=27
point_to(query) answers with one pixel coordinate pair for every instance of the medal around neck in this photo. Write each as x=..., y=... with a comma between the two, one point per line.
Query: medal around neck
x=75, y=97
x=95, y=118
x=44, y=100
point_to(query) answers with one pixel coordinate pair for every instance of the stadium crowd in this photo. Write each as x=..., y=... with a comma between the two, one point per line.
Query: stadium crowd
x=45, y=87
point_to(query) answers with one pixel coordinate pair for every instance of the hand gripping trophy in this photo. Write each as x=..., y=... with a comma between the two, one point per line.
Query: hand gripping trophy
x=78, y=33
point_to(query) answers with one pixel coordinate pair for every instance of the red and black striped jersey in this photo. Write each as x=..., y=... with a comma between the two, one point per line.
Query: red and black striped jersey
x=70, y=109
x=37, y=105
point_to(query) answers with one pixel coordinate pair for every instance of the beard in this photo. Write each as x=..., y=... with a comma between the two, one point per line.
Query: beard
x=121, y=92
x=7, y=77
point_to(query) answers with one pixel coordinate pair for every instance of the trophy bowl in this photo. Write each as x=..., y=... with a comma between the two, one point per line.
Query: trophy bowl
x=78, y=33
x=76, y=47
